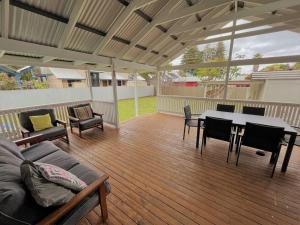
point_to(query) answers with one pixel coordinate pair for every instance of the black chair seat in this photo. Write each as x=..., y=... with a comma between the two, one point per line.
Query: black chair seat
x=85, y=124
x=51, y=133
x=287, y=138
x=192, y=123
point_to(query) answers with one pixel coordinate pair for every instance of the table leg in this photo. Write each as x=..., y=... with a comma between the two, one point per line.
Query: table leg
x=288, y=152
x=198, y=133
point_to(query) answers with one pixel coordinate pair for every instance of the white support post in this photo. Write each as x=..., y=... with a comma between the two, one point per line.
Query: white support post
x=230, y=49
x=115, y=93
x=89, y=83
x=158, y=83
x=136, y=98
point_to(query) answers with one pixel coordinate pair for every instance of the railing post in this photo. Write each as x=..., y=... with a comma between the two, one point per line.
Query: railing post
x=115, y=93
x=157, y=90
x=89, y=84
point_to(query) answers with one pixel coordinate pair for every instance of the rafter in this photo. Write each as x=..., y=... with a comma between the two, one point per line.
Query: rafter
x=241, y=14
x=133, y=5
x=76, y=12
x=148, y=28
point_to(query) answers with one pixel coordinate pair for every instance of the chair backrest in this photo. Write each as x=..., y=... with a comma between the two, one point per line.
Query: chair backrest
x=267, y=138
x=225, y=108
x=218, y=128
x=187, y=112
x=254, y=110
x=26, y=122
x=71, y=108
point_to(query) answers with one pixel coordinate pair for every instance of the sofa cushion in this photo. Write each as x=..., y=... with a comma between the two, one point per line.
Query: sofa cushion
x=50, y=133
x=60, y=176
x=44, y=192
x=60, y=159
x=40, y=150
x=85, y=124
x=11, y=147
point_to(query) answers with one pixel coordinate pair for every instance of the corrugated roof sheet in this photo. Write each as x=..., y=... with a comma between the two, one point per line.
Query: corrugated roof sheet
x=276, y=75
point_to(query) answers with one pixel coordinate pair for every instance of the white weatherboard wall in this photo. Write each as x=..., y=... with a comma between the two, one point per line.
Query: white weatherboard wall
x=34, y=97
x=105, y=94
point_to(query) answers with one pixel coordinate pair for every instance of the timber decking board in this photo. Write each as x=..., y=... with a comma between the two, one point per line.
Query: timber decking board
x=157, y=178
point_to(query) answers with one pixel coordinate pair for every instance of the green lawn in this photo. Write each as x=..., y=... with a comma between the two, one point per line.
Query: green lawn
x=126, y=107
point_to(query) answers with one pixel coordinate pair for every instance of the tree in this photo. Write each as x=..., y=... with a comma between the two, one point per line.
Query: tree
x=276, y=67
x=256, y=67
x=147, y=76
x=220, y=51
x=7, y=83
x=192, y=56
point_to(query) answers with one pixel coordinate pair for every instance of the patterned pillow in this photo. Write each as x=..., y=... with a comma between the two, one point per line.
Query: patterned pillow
x=60, y=176
x=83, y=113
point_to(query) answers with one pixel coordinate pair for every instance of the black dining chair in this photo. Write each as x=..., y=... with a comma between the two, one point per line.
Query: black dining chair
x=263, y=137
x=225, y=108
x=220, y=129
x=297, y=141
x=189, y=121
x=259, y=111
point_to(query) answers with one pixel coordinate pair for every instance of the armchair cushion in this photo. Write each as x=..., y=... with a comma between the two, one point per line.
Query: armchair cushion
x=85, y=124
x=84, y=112
x=50, y=133
x=41, y=122
x=24, y=117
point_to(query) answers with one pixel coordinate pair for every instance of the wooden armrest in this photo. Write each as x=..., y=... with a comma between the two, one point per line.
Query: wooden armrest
x=63, y=210
x=31, y=140
x=74, y=119
x=98, y=114
x=24, y=131
x=61, y=122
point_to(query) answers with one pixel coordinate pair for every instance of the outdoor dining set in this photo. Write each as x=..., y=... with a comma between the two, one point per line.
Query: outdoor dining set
x=250, y=128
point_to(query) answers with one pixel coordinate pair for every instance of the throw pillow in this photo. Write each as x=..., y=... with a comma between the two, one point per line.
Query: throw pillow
x=83, y=113
x=45, y=193
x=60, y=176
x=41, y=122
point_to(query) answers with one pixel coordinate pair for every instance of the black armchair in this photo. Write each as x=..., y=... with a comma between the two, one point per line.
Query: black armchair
x=59, y=129
x=84, y=124
x=267, y=138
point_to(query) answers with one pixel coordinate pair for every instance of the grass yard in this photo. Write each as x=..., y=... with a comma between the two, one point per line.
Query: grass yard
x=147, y=105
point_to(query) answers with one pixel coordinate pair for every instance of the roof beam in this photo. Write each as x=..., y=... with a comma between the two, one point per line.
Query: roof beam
x=4, y=21
x=148, y=28
x=240, y=62
x=133, y=5
x=241, y=14
x=269, y=21
x=41, y=50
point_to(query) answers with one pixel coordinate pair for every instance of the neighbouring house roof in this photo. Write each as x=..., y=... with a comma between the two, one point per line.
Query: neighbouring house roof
x=64, y=74
x=187, y=79
x=276, y=75
x=120, y=76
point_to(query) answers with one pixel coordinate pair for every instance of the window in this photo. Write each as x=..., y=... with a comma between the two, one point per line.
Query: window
x=95, y=79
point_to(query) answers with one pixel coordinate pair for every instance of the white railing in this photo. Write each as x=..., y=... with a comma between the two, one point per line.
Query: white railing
x=174, y=104
x=10, y=126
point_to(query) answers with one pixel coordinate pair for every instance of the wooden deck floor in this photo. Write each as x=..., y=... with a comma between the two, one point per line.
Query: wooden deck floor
x=157, y=178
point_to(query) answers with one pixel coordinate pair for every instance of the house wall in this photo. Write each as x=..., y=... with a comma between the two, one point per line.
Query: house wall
x=282, y=91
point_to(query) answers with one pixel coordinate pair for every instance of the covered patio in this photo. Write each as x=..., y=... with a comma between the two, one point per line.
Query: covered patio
x=156, y=177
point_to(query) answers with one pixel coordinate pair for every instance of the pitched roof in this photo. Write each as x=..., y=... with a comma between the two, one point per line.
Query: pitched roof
x=276, y=75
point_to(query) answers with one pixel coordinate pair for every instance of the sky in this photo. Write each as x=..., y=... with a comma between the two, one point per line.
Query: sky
x=274, y=44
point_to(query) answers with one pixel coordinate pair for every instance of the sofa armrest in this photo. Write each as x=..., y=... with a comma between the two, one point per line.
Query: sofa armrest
x=24, y=131
x=30, y=140
x=62, y=123
x=63, y=210
x=98, y=114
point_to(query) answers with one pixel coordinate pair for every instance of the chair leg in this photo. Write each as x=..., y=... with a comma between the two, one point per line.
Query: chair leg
x=275, y=162
x=184, y=131
x=238, y=140
x=80, y=133
x=203, y=141
x=238, y=156
x=71, y=128
x=67, y=139
x=189, y=130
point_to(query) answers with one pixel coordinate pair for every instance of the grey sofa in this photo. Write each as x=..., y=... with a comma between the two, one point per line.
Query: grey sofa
x=17, y=207
x=52, y=133
x=84, y=124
